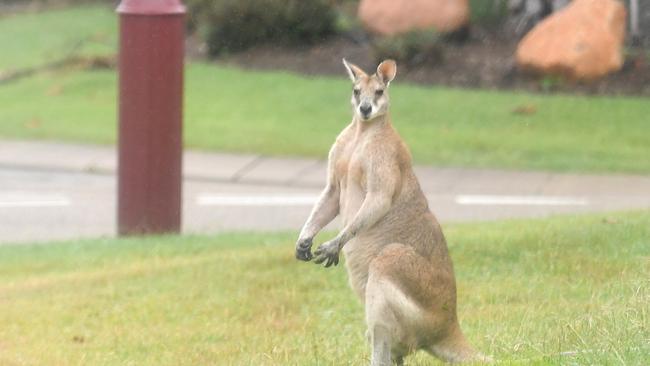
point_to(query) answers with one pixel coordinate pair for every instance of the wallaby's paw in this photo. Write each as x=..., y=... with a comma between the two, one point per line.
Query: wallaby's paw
x=303, y=250
x=328, y=253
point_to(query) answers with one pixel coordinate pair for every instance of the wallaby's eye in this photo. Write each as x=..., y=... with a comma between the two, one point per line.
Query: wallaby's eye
x=357, y=92
x=379, y=92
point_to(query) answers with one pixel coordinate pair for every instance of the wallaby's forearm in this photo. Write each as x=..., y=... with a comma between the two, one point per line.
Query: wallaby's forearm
x=374, y=207
x=382, y=183
x=325, y=210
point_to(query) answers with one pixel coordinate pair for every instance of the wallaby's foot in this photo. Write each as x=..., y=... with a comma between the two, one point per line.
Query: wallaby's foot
x=328, y=253
x=455, y=349
x=303, y=249
x=481, y=358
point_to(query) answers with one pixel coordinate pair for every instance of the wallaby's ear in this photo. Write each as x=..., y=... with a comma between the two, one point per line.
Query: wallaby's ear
x=387, y=70
x=354, y=71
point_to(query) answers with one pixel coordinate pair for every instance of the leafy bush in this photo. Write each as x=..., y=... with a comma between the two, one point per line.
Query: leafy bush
x=488, y=12
x=197, y=11
x=411, y=48
x=234, y=25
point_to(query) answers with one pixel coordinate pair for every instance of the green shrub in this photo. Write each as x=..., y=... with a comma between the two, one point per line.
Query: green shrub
x=197, y=12
x=411, y=48
x=235, y=25
x=488, y=12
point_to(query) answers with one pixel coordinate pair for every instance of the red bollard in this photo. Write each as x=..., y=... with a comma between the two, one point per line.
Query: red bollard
x=150, y=116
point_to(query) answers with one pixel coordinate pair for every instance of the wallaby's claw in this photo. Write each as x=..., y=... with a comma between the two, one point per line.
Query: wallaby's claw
x=303, y=255
x=328, y=251
x=303, y=250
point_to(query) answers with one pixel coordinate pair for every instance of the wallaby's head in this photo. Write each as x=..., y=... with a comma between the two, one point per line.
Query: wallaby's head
x=370, y=92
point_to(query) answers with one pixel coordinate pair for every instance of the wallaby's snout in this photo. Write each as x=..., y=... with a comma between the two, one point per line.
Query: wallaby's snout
x=365, y=109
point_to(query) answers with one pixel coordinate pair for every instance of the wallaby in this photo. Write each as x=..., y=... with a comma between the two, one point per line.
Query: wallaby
x=396, y=254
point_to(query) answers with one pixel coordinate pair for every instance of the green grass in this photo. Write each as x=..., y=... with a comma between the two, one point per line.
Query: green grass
x=283, y=114
x=34, y=39
x=528, y=290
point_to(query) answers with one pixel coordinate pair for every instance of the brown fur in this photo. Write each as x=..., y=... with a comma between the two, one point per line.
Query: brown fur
x=396, y=254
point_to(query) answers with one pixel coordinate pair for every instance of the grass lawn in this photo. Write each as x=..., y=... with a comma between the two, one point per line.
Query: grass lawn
x=528, y=290
x=34, y=39
x=283, y=114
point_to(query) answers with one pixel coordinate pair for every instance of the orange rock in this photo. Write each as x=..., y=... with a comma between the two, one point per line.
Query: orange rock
x=582, y=41
x=391, y=17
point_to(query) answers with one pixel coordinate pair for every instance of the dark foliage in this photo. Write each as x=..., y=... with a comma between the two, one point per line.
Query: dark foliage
x=412, y=48
x=235, y=25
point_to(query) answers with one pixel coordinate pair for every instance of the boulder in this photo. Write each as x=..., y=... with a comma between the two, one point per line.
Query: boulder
x=581, y=42
x=391, y=17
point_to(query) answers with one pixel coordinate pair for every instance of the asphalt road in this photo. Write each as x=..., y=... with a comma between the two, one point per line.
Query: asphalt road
x=49, y=204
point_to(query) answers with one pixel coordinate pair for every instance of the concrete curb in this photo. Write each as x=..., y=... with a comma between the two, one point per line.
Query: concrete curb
x=311, y=173
x=201, y=166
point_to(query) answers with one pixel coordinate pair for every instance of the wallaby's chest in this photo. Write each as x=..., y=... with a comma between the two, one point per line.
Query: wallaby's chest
x=350, y=168
x=352, y=179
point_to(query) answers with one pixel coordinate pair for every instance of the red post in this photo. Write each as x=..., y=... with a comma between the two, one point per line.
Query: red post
x=150, y=116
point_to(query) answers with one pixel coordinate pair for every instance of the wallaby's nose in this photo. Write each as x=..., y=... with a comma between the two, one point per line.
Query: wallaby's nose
x=365, y=109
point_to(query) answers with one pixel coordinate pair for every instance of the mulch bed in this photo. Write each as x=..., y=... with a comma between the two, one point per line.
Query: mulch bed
x=485, y=60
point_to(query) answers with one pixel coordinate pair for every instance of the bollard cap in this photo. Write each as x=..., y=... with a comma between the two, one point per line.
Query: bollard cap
x=151, y=7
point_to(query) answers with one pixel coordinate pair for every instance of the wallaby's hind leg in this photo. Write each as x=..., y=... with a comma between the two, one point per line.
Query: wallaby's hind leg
x=384, y=331
x=413, y=300
x=381, y=323
x=390, y=313
x=381, y=345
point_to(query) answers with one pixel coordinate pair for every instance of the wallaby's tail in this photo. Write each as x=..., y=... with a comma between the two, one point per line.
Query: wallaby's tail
x=455, y=348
